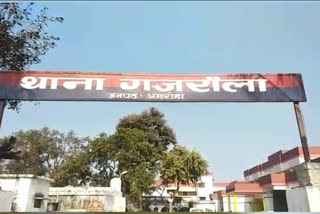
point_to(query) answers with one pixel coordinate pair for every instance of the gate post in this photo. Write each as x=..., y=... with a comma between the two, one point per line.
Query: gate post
x=2, y=107
x=302, y=131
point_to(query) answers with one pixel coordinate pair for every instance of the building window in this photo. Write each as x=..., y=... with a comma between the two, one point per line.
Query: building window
x=202, y=185
x=37, y=203
x=202, y=198
x=38, y=197
x=187, y=193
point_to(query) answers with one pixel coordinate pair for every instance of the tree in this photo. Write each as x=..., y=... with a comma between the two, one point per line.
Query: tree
x=152, y=122
x=126, y=150
x=6, y=149
x=137, y=147
x=137, y=182
x=74, y=171
x=182, y=166
x=101, y=151
x=43, y=151
x=141, y=146
x=23, y=37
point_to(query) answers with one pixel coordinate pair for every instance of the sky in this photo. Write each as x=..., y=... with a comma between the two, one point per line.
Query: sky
x=187, y=37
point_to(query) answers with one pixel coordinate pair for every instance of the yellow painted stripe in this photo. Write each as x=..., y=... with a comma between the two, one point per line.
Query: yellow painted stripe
x=235, y=207
x=229, y=203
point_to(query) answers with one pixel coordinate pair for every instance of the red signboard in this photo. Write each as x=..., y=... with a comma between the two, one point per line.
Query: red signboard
x=135, y=87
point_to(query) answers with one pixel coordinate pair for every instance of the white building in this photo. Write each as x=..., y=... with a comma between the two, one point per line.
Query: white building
x=30, y=192
x=108, y=199
x=188, y=194
x=6, y=198
x=282, y=183
x=204, y=187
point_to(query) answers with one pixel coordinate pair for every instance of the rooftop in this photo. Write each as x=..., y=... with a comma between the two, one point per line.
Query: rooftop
x=244, y=187
x=282, y=156
x=12, y=176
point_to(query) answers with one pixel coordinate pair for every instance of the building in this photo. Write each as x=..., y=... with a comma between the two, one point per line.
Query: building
x=204, y=187
x=6, y=198
x=219, y=190
x=283, y=183
x=29, y=193
x=188, y=195
x=103, y=199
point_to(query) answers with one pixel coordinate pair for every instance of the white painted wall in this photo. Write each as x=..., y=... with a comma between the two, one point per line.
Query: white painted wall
x=114, y=204
x=204, y=204
x=78, y=198
x=243, y=204
x=217, y=205
x=269, y=201
x=6, y=199
x=225, y=203
x=38, y=186
x=313, y=198
x=20, y=186
x=297, y=200
x=24, y=187
x=207, y=189
x=115, y=183
x=72, y=198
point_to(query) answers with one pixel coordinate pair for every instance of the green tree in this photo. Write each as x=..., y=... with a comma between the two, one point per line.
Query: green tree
x=182, y=166
x=74, y=171
x=23, y=37
x=126, y=150
x=153, y=123
x=141, y=146
x=43, y=151
x=137, y=147
x=101, y=154
x=136, y=182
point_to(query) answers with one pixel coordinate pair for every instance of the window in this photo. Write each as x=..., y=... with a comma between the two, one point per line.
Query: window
x=202, y=185
x=181, y=193
x=187, y=193
x=202, y=198
x=37, y=203
x=38, y=197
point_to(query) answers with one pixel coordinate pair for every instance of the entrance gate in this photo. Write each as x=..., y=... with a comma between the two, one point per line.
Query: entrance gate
x=137, y=87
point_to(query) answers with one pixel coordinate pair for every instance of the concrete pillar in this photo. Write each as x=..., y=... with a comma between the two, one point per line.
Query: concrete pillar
x=115, y=183
x=305, y=198
x=229, y=203
x=308, y=174
x=268, y=202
